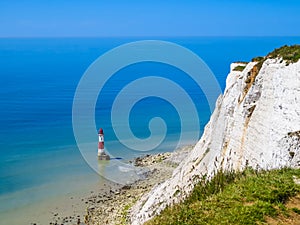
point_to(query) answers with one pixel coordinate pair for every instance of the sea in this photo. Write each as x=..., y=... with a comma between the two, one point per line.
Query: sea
x=41, y=157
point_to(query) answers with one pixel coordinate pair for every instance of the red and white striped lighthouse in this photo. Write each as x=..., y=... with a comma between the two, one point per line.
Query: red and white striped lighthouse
x=101, y=153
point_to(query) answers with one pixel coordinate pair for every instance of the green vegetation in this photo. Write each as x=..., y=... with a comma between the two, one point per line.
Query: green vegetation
x=290, y=54
x=242, y=62
x=239, y=68
x=124, y=214
x=296, y=210
x=258, y=59
x=248, y=197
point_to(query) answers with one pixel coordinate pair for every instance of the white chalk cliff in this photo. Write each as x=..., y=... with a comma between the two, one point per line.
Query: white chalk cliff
x=255, y=123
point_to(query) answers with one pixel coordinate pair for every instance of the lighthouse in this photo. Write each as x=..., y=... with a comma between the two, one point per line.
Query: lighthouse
x=101, y=153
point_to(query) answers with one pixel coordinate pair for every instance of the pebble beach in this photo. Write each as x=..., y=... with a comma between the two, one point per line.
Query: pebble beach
x=110, y=203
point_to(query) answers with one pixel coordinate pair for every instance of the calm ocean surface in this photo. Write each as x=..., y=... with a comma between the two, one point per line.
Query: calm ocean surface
x=39, y=76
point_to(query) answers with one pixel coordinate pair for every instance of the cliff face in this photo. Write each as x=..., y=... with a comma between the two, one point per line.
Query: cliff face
x=255, y=123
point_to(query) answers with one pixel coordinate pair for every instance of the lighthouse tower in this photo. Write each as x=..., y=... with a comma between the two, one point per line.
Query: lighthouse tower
x=101, y=153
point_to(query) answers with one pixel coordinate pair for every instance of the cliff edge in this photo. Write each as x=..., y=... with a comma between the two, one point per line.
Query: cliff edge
x=255, y=123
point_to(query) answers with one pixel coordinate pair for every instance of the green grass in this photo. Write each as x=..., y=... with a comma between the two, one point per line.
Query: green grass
x=124, y=214
x=258, y=59
x=296, y=210
x=234, y=198
x=239, y=68
x=290, y=54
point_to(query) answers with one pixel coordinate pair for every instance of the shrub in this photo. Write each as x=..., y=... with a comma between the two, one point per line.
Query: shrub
x=239, y=68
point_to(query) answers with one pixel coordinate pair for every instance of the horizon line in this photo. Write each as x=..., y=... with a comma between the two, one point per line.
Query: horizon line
x=152, y=36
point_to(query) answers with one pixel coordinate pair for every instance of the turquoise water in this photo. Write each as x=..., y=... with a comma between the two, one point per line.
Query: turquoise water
x=38, y=81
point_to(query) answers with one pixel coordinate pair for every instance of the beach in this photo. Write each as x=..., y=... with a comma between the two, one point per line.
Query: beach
x=108, y=203
x=113, y=208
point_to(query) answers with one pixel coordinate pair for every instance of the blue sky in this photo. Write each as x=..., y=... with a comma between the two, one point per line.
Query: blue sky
x=33, y=18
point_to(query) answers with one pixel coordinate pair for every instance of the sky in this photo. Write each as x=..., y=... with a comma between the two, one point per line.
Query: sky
x=114, y=18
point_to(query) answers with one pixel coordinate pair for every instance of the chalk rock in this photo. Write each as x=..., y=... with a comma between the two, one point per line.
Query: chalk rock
x=255, y=123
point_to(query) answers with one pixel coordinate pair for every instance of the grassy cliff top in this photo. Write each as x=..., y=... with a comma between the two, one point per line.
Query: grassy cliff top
x=239, y=68
x=248, y=197
x=290, y=54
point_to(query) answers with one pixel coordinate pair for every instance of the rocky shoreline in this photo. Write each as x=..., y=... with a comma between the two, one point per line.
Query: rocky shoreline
x=113, y=206
x=111, y=203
